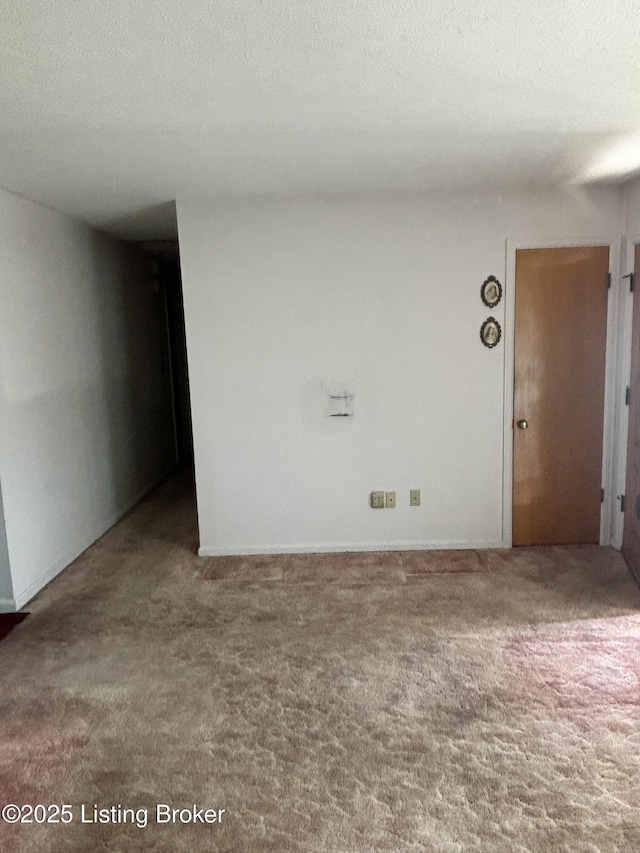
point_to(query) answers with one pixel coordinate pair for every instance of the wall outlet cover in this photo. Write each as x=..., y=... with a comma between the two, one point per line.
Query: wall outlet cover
x=414, y=497
x=377, y=500
x=390, y=500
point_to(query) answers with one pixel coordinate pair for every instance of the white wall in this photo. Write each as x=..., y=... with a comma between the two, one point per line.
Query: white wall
x=289, y=299
x=85, y=408
x=6, y=587
x=632, y=209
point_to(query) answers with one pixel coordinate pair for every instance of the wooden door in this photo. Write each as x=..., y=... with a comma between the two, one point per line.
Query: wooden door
x=560, y=345
x=631, y=540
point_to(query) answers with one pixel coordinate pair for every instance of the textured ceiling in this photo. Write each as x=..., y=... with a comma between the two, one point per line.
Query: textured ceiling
x=110, y=110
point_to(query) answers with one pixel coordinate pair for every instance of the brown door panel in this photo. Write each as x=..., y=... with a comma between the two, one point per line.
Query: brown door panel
x=560, y=347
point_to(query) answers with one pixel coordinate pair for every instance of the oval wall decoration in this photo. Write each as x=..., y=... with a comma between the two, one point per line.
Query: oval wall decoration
x=490, y=332
x=491, y=291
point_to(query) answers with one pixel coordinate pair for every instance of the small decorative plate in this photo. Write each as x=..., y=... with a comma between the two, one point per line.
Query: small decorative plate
x=490, y=332
x=491, y=292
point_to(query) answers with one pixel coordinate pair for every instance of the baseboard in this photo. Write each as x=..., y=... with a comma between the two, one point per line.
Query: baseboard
x=8, y=605
x=342, y=547
x=34, y=588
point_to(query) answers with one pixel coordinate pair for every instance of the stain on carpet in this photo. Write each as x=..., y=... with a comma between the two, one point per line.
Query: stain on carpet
x=8, y=622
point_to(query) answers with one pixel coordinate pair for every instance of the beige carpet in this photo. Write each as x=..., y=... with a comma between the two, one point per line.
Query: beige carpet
x=467, y=702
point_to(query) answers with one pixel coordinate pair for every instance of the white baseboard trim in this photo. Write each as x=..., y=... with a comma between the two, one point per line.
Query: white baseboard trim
x=8, y=605
x=342, y=547
x=33, y=589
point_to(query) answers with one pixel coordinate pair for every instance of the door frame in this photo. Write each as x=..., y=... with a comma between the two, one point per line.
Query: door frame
x=617, y=368
x=628, y=257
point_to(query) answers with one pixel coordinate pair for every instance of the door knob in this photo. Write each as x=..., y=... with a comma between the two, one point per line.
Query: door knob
x=522, y=424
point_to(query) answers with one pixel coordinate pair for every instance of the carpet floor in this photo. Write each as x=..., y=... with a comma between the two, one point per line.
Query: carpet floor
x=455, y=702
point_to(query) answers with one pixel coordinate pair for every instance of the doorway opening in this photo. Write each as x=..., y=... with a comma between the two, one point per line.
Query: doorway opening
x=167, y=276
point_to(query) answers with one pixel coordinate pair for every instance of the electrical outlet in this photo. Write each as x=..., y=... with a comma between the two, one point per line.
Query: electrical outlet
x=390, y=500
x=414, y=497
x=377, y=500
